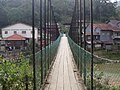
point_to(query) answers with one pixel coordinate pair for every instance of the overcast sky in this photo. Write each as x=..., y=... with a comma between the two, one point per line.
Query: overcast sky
x=114, y=0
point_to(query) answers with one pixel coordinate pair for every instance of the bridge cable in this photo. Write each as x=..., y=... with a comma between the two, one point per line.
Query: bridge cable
x=33, y=51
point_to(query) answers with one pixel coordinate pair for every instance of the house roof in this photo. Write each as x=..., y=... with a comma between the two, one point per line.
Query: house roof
x=15, y=37
x=94, y=33
x=115, y=21
x=106, y=27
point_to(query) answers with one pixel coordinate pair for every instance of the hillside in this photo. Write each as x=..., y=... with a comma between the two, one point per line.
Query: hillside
x=13, y=11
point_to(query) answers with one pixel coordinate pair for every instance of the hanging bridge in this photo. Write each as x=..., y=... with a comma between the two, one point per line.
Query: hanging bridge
x=63, y=61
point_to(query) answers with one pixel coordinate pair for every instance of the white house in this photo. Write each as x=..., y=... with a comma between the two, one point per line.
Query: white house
x=20, y=29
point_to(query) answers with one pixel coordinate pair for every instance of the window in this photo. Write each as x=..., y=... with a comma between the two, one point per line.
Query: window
x=6, y=32
x=108, y=33
x=96, y=37
x=103, y=33
x=23, y=32
x=15, y=32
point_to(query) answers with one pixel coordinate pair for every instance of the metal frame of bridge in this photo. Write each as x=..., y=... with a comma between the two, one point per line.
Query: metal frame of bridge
x=47, y=13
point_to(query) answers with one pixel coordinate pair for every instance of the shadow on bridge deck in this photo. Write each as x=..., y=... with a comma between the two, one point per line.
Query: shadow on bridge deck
x=63, y=75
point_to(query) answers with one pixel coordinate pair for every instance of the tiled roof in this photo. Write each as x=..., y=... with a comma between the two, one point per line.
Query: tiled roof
x=115, y=21
x=106, y=27
x=15, y=37
x=94, y=33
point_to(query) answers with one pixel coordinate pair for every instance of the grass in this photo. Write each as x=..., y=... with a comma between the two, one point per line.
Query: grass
x=111, y=69
x=113, y=55
x=110, y=73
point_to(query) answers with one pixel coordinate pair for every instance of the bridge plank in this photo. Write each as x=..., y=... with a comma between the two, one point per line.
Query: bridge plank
x=62, y=76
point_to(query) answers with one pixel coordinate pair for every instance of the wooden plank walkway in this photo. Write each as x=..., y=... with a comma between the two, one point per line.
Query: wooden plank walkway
x=62, y=76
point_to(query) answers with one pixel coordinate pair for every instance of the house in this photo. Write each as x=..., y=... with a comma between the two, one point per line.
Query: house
x=114, y=23
x=104, y=33
x=2, y=45
x=20, y=29
x=15, y=41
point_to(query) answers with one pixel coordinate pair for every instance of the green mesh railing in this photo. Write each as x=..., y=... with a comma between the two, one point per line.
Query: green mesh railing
x=48, y=56
x=82, y=58
x=106, y=72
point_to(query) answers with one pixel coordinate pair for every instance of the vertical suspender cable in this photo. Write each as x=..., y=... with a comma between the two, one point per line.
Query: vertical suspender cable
x=54, y=23
x=75, y=25
x=33, y=39
x=77, y=20
x=41, y=41
x=84, y=41
x=45, y=36
x=56, y=26
x=71, y=26
x=48, y=32
x=81, y=37
x=91, y=20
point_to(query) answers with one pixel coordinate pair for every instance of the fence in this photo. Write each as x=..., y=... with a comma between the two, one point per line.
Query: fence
x=48, y=56
x=106, y=72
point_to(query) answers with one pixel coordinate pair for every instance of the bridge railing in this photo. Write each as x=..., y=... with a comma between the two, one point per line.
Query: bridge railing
x=106, y=72
x=82, y=59
x=47, y=55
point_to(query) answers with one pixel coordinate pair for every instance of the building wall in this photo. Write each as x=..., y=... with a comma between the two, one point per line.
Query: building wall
x=20, y=29
x=113, y=24
x=106, y=36
x=117, y=24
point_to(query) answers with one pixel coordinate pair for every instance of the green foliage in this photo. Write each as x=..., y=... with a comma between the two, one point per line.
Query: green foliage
x=97, y=84
x=3, y=16
x=99, y=81
x=13, y=11
x=12, y=74
x=113, y=55
x=104, y=10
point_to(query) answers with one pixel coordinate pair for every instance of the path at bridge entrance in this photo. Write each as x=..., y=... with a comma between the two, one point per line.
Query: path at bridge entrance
x=64, y=75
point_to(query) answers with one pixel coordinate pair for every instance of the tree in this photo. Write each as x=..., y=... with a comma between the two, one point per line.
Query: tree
x=3, y=16
x=13, y=74
x=104, y=10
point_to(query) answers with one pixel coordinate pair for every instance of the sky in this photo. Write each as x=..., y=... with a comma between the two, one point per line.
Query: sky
x=114, y=0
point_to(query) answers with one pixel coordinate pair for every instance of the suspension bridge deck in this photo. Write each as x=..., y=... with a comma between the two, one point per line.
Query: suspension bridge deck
x=63, y=75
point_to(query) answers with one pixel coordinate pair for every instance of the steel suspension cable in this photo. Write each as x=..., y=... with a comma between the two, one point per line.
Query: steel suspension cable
x=80, y=16
x=33, y=41
x=91, y=24
x=45, y=37
x=84, y=26
x=54, y=19
x=48, y=32
x=41, y=41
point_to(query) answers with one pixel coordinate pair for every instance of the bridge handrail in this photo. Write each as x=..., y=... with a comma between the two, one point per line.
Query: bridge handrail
x=97, y=59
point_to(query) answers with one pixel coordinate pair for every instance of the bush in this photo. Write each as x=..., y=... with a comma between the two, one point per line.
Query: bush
x=13, y=74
